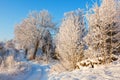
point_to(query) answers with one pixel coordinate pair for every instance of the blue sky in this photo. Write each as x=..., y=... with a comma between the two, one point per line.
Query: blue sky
x=14, y=11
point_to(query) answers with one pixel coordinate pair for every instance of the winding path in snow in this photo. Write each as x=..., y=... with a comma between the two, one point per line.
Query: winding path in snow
x=38, y=72
x=44, y=72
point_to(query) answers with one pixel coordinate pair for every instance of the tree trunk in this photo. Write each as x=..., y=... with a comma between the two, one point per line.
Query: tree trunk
x=26, y=51
x=111, y=47
x=36, y=48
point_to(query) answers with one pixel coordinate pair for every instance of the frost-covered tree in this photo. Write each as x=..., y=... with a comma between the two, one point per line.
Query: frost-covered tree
x=47, y=44
x=104, y=28
x=31, y=31
x=69, y=44
x=10, y=44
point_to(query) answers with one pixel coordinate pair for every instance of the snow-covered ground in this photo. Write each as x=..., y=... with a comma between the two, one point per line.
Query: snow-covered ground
x=35, y=72
x=106, y=72
x=38, y=71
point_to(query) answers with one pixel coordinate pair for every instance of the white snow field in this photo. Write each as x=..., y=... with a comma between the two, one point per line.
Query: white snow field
x=106, y=72
x=35, y=71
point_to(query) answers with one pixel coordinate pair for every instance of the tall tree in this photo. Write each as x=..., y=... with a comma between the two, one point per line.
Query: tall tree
x=32, y=30
x=69, y=44
x=104, y=28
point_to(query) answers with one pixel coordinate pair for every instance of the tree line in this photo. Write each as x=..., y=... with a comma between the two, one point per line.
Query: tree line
x=73, y=42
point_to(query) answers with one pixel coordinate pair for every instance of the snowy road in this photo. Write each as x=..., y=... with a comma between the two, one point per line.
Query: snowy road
x=38, y=72
x=44, y=72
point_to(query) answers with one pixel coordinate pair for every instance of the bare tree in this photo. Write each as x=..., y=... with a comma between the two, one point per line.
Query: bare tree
x=32, y=29
x=69, y=44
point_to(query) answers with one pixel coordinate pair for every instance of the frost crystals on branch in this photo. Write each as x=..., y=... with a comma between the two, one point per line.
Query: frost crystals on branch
x=69, y=42
x=34, y=31
x=104, y=28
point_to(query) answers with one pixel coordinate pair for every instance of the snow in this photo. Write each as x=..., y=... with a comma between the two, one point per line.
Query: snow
x=106, y=72
x=17, y=72
x=37, y=71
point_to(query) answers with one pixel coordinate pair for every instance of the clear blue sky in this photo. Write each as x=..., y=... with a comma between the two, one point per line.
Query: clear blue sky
x=14, y=11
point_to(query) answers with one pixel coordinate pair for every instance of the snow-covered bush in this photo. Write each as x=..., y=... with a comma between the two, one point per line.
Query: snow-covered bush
x=1, y=45
x=58, y=68
x=10, y=62
x=10, y=44
x=10, y=69
x=5, y=65
x=69, y=44
x=11, y=65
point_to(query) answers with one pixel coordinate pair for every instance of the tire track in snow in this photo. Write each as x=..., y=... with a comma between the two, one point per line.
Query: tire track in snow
x=35, y=73
x=44, y=72
x=38, y=72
